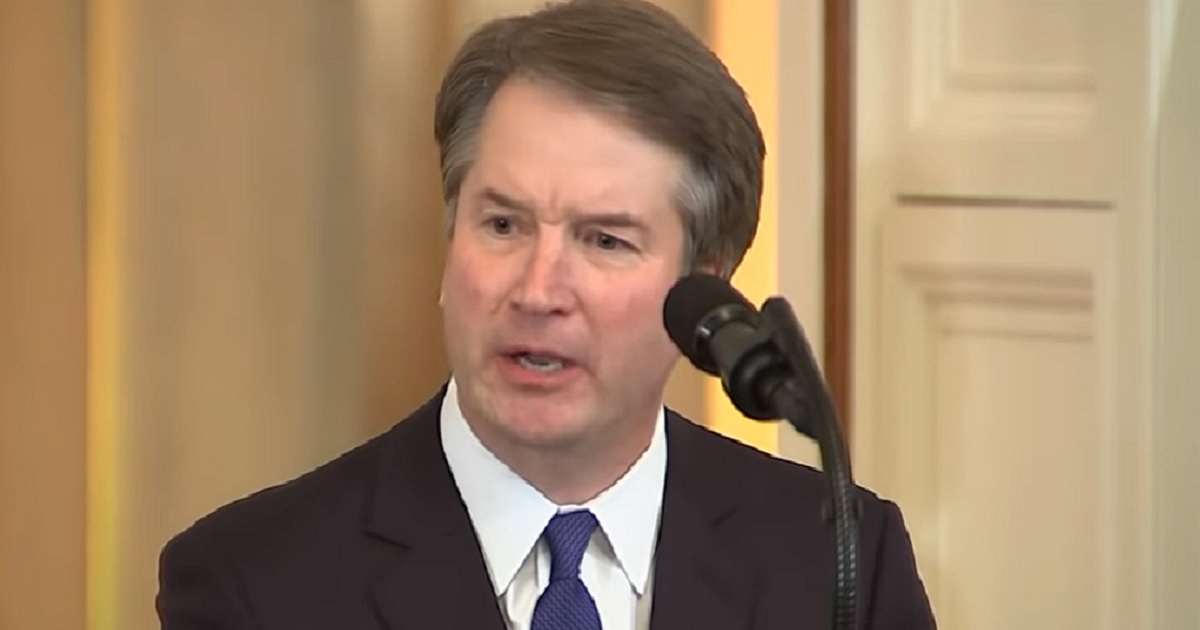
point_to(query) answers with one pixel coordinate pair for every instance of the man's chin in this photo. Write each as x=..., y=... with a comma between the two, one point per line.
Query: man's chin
x=544, y=424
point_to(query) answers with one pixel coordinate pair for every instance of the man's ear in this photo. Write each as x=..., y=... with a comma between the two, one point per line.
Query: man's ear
x=712, y=269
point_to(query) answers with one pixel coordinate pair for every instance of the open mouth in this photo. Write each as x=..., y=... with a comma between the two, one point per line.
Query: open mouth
x=538, y=362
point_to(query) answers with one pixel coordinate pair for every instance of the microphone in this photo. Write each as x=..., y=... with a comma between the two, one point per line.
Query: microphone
x=768, y=371
x=722, y=334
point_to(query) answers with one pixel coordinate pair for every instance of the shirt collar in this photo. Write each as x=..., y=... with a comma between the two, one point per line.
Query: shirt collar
x=509, y=514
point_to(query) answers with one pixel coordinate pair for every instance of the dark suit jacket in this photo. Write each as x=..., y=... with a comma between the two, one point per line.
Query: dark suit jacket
x=379, y=539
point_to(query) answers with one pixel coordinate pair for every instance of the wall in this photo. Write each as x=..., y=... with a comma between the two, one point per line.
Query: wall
x=798, y=156
x=42, y=294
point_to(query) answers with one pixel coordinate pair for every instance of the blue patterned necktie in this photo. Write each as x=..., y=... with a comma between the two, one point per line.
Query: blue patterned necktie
x=566, y=603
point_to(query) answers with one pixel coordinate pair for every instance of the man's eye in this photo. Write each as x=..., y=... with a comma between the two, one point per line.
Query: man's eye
x=501, y=225
x=609, y=242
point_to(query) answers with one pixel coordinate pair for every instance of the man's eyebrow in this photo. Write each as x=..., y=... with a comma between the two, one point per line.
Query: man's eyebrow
x=494, y=197
x=601, y=218
x=614, y=219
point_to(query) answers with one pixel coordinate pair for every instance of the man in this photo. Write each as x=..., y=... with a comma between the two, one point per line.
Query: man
x=592, y=153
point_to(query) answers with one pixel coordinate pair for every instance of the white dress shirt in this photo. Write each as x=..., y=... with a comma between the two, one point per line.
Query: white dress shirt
x=509, y=515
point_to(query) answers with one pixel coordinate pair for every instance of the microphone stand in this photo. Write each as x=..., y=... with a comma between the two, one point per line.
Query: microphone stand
x=805, y=403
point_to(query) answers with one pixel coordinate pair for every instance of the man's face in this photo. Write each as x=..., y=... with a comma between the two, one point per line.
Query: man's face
x=565, y=244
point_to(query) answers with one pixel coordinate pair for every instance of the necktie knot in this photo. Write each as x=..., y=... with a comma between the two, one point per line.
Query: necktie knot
x=568, y=535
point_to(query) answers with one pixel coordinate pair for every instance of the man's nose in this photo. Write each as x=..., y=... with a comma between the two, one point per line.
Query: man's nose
x=544, y=287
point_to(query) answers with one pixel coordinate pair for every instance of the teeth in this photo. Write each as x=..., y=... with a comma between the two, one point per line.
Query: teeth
x=539, y=363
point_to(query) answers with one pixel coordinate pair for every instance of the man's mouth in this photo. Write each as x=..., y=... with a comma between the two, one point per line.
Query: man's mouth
x=540, y=362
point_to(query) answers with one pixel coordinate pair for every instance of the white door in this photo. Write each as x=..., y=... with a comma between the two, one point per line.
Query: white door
x=1002, y=312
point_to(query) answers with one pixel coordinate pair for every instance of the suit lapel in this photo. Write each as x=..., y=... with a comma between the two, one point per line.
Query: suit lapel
x=439, y=578
x=436, y=586
x=698, y=582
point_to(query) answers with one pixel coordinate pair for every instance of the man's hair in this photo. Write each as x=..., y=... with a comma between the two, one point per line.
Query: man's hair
x=637, y=60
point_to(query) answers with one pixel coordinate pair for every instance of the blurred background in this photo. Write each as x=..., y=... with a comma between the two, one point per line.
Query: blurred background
x=220, y=246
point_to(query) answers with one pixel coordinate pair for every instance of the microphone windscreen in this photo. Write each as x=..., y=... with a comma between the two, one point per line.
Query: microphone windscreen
x=688, y=302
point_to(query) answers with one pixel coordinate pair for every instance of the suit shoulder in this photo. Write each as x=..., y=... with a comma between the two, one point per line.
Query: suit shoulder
x=744, y=462
x=772, y=476
x=293, y=505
